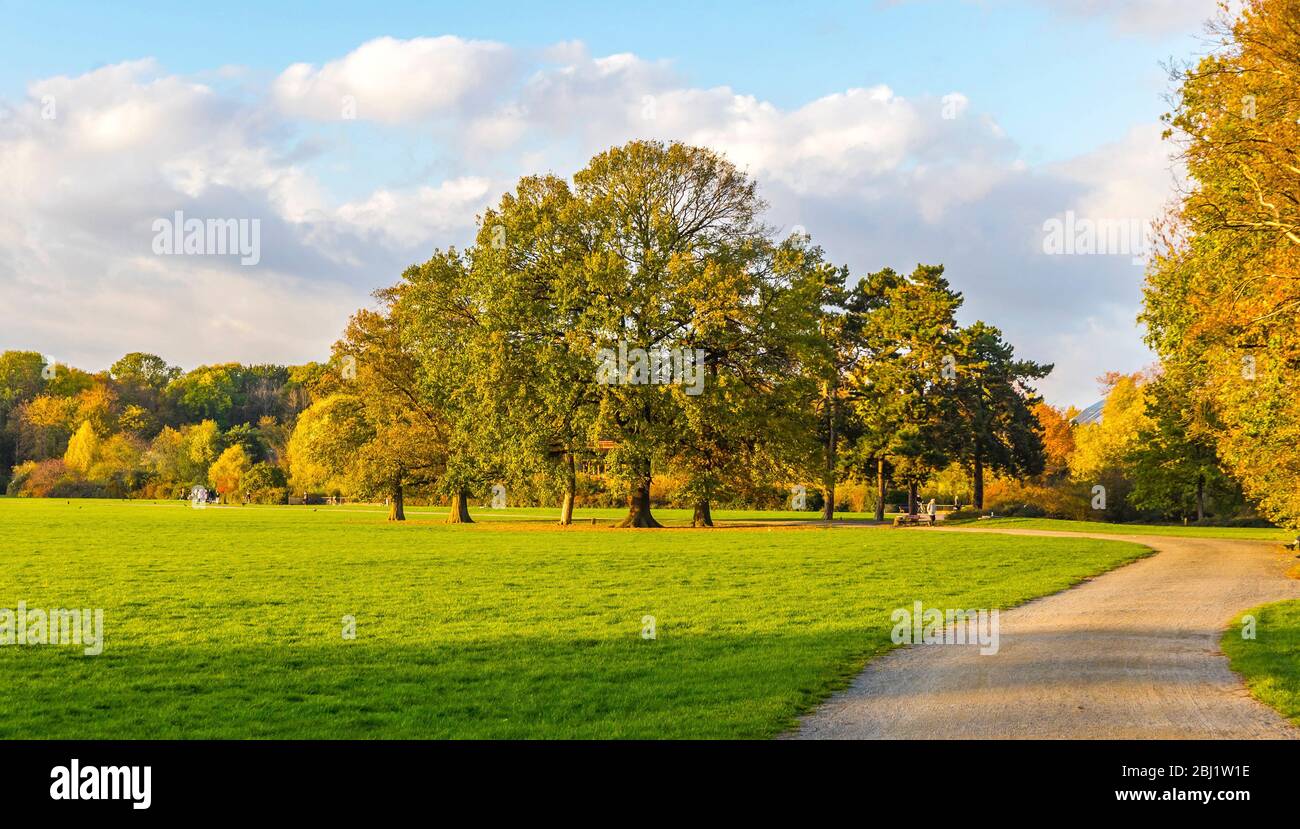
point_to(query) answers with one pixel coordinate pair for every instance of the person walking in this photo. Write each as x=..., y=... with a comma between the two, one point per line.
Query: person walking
x=930, y=509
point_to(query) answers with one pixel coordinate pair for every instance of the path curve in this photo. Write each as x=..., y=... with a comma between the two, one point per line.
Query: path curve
x=1131, y=654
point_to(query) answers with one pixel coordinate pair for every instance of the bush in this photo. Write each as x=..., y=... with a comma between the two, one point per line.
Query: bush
x=270, y=495
x=265, y=484
x=50, y=479
x=1005, y=496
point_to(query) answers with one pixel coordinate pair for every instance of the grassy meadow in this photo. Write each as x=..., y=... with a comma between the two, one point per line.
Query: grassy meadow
x=226, y=622
x=1238, y=533
x=1270, y=663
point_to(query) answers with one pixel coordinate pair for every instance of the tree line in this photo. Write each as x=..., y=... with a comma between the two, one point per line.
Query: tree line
x=480, y=366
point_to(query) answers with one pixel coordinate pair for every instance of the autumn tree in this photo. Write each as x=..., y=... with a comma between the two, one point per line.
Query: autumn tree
x=380, y=434
x=228, y=471
x=83, y=449
x=1223, y=290
x=1104, y=450
x=1058, y=439
x=42, y=426
x=322, y=451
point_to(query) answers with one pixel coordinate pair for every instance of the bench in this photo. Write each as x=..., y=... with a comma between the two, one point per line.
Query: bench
x=911, y=520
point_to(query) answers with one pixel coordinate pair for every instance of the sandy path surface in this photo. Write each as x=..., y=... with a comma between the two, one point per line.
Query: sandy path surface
x=1130, y=654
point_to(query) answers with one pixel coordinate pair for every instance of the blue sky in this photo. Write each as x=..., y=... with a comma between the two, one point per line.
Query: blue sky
x=1022, y=63
x=833, y=107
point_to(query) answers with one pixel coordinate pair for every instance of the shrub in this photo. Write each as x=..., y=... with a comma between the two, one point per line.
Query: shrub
x=265, y=483
x=1006, y=496
x=38, y=479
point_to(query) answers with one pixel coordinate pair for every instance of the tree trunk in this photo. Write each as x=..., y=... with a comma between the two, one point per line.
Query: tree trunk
x=570, y=491
x=703, y=515
x=880, y=488
x=395, y=503
x=1200, y=498
x=911, y=499
x=828, y=491
x=638, y=505
x=459, y=513
x=978, y=479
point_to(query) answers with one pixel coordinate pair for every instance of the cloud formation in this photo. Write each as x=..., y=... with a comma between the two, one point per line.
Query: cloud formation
x=877, y=179
x=390, y=81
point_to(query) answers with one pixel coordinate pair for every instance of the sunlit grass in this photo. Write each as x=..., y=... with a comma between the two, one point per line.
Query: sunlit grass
x=1270, y=662
x=1244, y=533
x=227, y=622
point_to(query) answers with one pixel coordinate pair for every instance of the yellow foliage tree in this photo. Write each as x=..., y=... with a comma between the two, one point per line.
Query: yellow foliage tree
x=229, y=470
x=1223, y=288
x=83, y=449
x=1105, y=446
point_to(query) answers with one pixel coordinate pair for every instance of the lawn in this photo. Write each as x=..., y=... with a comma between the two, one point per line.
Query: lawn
x=1239, y=533
x=1269, y=663
x=227, y=622
x=610, y=515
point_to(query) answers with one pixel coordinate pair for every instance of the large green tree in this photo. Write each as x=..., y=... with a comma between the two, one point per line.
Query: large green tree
x=901, y=392
x=993, y=425
x=1174, y=462
x=535, y=385
x=676, y=255
x=436, y=314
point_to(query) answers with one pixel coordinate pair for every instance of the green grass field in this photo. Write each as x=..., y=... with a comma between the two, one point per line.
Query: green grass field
x=227, y=622
x=1269, y=663
x=1241, y=533
x=609, y=516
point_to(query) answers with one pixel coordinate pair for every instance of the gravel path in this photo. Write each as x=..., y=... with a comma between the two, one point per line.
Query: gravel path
x=1131, y=654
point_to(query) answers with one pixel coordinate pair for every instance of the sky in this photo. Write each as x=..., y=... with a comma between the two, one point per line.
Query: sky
x=364, y=136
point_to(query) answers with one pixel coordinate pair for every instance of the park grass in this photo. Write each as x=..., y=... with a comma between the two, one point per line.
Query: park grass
x=606, y=516
x=1270, y=663
x=1062, y=525
x=227, y=622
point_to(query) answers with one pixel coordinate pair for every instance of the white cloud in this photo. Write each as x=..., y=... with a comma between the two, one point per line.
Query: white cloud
x=409, y=217
x=1130, y=178
x=392, y=81
x=128, y=144
x=877, y=178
